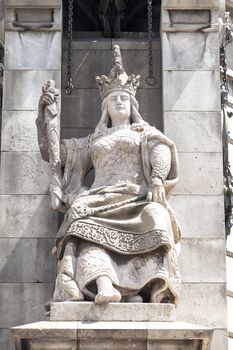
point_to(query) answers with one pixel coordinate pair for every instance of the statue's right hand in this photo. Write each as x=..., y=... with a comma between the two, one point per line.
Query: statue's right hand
x=46, y=99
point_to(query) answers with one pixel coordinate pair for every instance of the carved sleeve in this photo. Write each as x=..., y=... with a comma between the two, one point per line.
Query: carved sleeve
x=160, y=159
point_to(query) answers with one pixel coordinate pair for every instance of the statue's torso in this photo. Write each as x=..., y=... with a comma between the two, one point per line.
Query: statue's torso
x=117, y=159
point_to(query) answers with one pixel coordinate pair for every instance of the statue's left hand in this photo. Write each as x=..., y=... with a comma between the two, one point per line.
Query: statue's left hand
x=158, y=191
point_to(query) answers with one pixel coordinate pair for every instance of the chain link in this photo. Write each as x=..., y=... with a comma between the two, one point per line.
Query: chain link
x=69, y=83
x=150, y=79
x=228, y=191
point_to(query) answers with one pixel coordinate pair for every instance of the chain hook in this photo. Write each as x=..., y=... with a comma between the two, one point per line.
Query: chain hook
x=69, y=86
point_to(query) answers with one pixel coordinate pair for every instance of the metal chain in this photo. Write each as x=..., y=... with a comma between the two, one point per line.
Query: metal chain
x=69, y=83
x=150, y=79
x=228, y=191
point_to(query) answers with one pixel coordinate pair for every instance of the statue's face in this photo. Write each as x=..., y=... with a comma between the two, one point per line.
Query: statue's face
x=119, y=106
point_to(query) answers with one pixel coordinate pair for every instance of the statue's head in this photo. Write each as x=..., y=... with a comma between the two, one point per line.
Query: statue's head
x=118, y=93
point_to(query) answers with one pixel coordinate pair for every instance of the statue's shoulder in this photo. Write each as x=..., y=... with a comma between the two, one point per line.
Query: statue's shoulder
x=77, y=143
x=151, y=133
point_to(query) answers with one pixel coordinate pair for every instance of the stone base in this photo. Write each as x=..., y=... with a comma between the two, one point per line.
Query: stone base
x=111, y=336
x=89, y=311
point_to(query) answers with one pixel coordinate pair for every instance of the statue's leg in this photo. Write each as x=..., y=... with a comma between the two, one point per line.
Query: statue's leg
x=106, y=291
x=66, y=287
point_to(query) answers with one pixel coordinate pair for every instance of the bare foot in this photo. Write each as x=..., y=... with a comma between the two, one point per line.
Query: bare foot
x=106, y=296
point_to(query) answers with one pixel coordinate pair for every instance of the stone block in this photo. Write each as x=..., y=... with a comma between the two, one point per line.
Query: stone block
x=200, y=173
x=183, y=128
x=19, y=131
x=229, y=274
x=36, y=3
x=89, y=311
x=230, y=315
x=197, y=215
x=88, y=64
x=190, y=51
x=23, y=302
x=6, y=340
x=219, y=340
x=23, y=88
x=113, y=335
x=27, y=260
x=24, y=173
x=191, y=4
x=27, y=216
x=191, y=90
x=191, y=260
x=35, y=50
x=203, y=304
x=78, y=112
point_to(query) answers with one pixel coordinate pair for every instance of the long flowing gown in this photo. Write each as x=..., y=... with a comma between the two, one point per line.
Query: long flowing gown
x=118, y=230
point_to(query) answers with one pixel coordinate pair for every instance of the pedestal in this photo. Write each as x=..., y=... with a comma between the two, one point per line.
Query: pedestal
x=99, y=333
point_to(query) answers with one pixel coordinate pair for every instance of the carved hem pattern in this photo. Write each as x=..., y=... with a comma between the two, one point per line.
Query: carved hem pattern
x=122, y=242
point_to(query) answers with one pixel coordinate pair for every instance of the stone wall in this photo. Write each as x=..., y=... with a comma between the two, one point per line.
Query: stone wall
x=192, y=118
x=191, y=110
x=28, y=225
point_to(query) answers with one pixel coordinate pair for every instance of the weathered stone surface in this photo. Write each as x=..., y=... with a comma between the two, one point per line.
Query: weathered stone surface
x=204, y=310
x=6, y=340
x=35, y=50
x=23, y=302
x=78, y=112
x=219, y=340
x=36, y=3
x=200, y=173
x=27, y=260
x=184, y=127
x=88, y=64
x=230, y=315
x=190, y=51
x=28, y=216
x=23, y=88
x=191, y=89
x=188, y=209
x=229, y=274
x=191, y=260
x=24, y=173
x=191, y=4
x=19, y=131
x=89, y=311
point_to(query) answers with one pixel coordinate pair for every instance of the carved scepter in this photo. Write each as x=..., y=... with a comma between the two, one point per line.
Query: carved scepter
x=49, y=138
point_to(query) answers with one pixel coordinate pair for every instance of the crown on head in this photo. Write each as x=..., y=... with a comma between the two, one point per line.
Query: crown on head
x=117, y=79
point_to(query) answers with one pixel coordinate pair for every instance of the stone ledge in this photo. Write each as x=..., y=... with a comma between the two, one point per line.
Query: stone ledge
x=89, y=311
x=112, y=335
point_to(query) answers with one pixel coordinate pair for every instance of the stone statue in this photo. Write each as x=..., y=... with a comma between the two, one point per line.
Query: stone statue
x=118, y=239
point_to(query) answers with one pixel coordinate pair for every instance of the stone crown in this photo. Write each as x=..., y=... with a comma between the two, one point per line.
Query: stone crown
x=117, y=79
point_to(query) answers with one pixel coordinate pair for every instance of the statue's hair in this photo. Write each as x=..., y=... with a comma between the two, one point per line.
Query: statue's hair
x=105, y=120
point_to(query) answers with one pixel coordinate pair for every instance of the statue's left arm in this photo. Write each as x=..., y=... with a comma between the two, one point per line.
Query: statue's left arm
x=160, y=160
